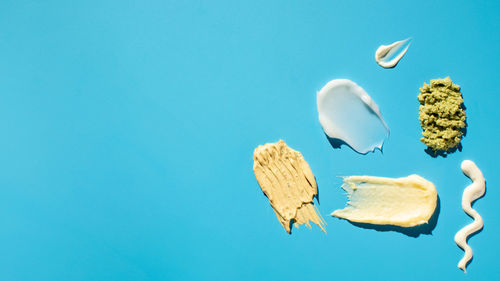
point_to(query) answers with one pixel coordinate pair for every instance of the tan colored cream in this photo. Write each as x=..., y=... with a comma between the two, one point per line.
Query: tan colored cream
x=289, y=184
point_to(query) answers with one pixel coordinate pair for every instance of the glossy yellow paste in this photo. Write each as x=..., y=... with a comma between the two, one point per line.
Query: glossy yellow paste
x=405, y=202
x=288, y=182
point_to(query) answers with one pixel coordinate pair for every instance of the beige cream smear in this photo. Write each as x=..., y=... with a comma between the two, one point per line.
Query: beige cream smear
x=289, y=184
x=388, y=56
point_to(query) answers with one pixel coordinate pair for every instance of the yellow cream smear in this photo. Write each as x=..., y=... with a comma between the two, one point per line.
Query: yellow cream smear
x=405, y=202
x=288, y=182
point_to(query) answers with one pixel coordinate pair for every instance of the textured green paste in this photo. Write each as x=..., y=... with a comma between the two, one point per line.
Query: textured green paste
x=441, y=114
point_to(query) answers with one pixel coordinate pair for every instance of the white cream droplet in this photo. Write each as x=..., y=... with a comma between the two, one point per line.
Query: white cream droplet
x=471, y=194
x=388, y=56
x=348, y=113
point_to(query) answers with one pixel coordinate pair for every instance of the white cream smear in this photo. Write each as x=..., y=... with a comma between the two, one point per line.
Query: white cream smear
x=404, y=202
x=348, y=113
x=388, y=56
x=471, y=194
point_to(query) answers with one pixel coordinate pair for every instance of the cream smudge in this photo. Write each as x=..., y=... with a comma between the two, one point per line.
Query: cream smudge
x=404, y=202
x=347, y=113
x=388, y=56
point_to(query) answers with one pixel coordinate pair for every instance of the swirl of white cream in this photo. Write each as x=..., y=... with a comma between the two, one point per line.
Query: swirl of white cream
x=471, y=193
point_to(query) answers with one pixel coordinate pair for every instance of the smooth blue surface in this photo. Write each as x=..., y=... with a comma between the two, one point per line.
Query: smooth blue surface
x=128, y=129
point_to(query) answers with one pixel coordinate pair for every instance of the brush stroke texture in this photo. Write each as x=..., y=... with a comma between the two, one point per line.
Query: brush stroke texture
x=404, y=202
x=289, y=184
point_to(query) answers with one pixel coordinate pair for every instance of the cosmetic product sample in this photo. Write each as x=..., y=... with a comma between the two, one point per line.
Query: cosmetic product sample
x=289, y=184
x=441, y=114
x=388, y=56
x=349, y=115
x=404, y=202
x=471, y=194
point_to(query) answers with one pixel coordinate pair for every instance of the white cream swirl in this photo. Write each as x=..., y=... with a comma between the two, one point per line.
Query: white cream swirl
x=471, y=193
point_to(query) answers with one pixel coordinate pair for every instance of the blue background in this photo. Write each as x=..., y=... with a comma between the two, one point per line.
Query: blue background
x=128, y=129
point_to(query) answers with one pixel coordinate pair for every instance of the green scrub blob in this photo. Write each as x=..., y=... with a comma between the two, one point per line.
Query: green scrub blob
x=441, y=115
